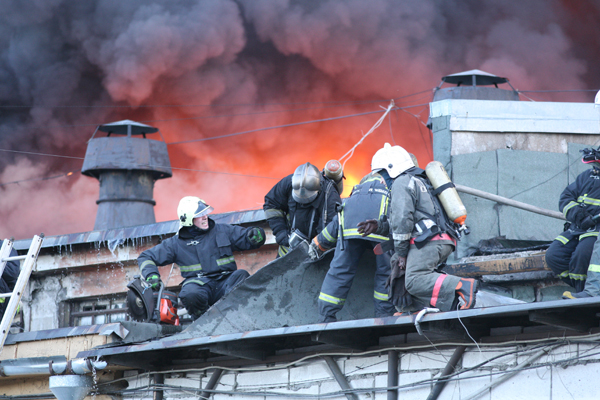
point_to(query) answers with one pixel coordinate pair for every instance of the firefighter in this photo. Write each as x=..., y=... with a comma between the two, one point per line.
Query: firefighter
x=303, y=202
x=569, y=254
x=8, y=279
x=423, y=237
x=368, y=200
x=203, y=250
x=572, y=256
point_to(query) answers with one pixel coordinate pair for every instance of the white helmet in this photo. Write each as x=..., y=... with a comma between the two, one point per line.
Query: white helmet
x=394, y=159
x=191, y=207
x=306, y=183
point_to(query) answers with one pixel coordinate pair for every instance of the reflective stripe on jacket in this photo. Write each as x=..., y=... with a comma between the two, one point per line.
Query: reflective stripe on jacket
x=209, y=253
x=368, y=200
x=584, y=192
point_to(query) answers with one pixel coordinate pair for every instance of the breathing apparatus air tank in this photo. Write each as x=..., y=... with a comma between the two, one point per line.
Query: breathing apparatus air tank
x=448, y=195
x=334, y=171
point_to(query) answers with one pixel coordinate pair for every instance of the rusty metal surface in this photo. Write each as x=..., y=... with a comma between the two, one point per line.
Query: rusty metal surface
x=114, y=237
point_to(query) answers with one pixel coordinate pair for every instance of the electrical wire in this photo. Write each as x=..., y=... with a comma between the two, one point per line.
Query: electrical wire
x=273, y=127
x=422, y=383
x=217, y=105
x=38, y=179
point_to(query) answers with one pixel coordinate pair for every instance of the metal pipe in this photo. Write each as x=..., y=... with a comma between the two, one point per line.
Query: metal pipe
x=159, y=381
x=510, y=202
x=392, y=394
x=49, y=366
x=450, y=367
x=340, y=378
x=212, y=383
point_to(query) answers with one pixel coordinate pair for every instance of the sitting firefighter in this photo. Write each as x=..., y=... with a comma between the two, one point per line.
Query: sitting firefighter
x=301, y=204
x=368, y=200
x=423, y=238
x=570, y=256
x=203, y=250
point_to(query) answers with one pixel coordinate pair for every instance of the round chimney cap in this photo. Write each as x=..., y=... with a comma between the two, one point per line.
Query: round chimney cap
x=120, y=128
x=482, y=78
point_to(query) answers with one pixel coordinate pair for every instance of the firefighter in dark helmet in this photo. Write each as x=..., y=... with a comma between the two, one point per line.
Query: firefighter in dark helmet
x=203, y=250
x=303, y=202
x=571, y=255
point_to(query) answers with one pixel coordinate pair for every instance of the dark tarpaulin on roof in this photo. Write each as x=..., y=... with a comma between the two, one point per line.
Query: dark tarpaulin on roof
x=284, y=293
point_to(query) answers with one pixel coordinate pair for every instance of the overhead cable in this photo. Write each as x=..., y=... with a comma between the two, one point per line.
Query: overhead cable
x=377, y=124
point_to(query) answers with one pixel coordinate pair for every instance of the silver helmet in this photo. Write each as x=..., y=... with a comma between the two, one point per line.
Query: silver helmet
x=306, y=183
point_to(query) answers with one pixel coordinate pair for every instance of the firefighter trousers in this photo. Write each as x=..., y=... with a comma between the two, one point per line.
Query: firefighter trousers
x=198, y=298
x=342, y=270
x=592, y=283
x=428, y=287
x=569, y=261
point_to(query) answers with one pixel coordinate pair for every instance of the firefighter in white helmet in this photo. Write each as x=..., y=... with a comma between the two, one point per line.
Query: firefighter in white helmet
x=301, y=204
x=203, y=250
x=421, y=235
x=368, y=200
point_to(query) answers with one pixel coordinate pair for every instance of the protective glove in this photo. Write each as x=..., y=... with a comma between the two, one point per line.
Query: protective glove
x=256, y=236
x=154, y=281
x=582, y=218
x=314, y=251
x=281, y=238
x=398, y=268
x=587, y=223
x=398, y=295
x=367, y=227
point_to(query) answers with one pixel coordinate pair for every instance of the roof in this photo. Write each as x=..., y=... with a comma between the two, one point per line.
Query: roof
x=503, y=324
x=114, y=237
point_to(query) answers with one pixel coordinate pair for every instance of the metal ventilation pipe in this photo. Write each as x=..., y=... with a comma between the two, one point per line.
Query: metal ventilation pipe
x=49, y=366
x=71, y=387
x=127, y=165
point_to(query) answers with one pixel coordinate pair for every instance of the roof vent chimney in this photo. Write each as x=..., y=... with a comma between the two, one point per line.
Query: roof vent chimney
x=474, y=85
x=127, y=167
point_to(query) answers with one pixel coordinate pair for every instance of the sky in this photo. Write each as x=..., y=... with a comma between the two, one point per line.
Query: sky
x=208, y=68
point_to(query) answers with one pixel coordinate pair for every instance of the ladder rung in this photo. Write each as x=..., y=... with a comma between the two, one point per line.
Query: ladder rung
x=14, y=258
x=3, y=295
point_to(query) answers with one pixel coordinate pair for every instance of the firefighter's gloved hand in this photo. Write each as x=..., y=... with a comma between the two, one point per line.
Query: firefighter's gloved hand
x=398, y=268
x=398, y=294
x=314, y=251
x=256, y=236
x=587, y=223
x=281, y=238
x=367, y=227
x=580, y=216
x=154, y=281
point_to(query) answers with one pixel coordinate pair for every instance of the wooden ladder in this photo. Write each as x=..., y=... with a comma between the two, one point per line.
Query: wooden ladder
x=26, y=268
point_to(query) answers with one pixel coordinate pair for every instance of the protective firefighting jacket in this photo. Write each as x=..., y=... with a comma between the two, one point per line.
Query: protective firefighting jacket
x=416, y=216
x=199, y=254
x=581, y=196
x=10, y=274
x=368, y=200
x=284, y=214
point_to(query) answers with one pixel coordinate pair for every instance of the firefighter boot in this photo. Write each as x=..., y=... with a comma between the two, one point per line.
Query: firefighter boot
x=466, y=290
x=577, y=295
